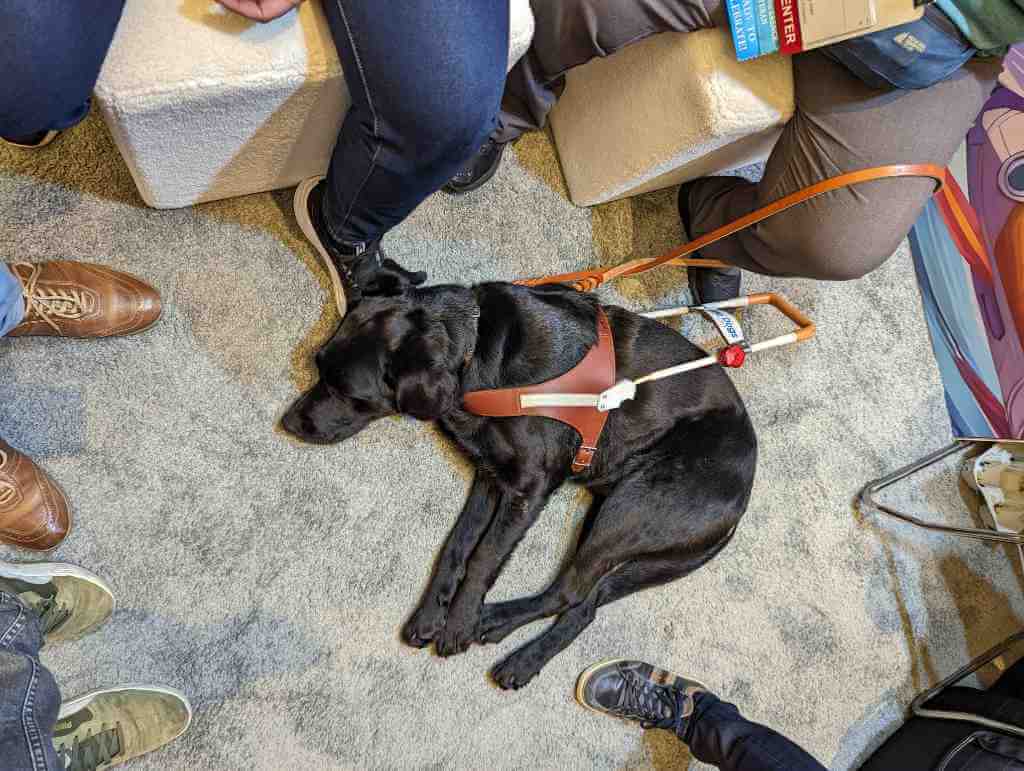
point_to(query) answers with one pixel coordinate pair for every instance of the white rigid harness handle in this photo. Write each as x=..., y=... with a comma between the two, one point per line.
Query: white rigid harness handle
x=728, y=326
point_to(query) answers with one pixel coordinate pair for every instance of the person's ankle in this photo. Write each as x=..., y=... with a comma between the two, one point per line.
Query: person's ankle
x=348, y=250
x=692, y=702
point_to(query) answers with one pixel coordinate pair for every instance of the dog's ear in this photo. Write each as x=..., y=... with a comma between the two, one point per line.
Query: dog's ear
x=392, y=279
x=425, y=386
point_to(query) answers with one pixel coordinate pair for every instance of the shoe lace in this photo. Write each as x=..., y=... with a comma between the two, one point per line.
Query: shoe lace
x=48, y=303
x=52, y=614
x=642, y=700
x=8, y=492
x=92, y=750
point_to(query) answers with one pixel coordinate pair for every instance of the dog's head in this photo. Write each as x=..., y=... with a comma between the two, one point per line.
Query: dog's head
x=390, y=355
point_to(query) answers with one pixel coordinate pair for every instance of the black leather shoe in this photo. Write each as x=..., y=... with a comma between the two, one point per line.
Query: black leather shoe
x=355, y=270
x=707, y=285
x=478, y=170
x=637, y=691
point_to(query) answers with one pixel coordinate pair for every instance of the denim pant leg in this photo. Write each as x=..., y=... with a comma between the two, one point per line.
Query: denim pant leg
x=51, y=52
x=718, y=734
x=12, y=305
x=29, y=699
x=426, y=78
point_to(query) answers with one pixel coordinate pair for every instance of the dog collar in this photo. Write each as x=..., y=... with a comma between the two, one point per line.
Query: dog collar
x=593, y=375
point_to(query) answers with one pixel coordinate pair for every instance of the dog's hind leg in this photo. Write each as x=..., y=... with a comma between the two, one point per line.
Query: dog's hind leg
x=429, y=618
x=638, y=574
x=574, y=584
x=666, y=513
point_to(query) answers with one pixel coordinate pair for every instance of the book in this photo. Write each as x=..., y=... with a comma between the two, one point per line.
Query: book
x=743, y=22
x=767, y=32
x=761, y=27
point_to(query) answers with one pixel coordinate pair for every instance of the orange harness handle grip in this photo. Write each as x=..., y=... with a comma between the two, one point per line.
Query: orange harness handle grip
x=805, y=327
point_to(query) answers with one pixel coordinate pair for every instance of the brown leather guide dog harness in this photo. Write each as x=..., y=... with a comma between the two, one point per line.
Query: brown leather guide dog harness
x=595, y=374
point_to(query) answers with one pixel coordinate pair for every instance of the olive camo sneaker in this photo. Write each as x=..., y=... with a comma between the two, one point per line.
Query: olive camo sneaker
x=69, y=600
x=109, y=727
x=637, y=691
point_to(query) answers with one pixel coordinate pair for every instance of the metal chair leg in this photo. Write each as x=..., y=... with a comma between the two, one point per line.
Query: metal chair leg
x=866, y=498
x=917, y=708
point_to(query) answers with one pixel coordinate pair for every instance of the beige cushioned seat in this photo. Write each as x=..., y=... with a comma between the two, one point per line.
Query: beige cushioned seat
x=204, y=104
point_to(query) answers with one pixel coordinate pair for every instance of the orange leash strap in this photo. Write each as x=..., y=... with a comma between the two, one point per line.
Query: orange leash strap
x=588, y=280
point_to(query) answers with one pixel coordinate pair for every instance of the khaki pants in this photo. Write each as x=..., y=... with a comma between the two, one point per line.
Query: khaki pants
x=841, y=124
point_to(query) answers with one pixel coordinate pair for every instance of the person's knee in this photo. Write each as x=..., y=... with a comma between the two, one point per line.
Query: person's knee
x=821, y=256
x=441, y=131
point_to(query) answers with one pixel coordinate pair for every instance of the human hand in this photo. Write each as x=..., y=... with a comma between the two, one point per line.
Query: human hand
x=260, y=10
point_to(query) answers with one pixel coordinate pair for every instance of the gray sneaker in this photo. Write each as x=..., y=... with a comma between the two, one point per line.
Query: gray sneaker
x=633, y=690
x=70, y=600
x=108, y=727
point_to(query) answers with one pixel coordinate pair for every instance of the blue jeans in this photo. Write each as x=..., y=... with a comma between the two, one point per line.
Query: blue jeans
x=718, y=734
x=426, y=78
x=51, y=52
x=29, y=698
x=12, y=306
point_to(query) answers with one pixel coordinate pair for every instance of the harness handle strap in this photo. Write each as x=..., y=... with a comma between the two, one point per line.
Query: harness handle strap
x=588, y=280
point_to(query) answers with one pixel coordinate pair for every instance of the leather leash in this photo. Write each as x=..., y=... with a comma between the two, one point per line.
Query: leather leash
x=582, y=396
x=588, y=280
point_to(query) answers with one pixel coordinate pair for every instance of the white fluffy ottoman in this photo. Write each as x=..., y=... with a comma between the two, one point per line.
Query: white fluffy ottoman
x=204, y=104
x=669, y=109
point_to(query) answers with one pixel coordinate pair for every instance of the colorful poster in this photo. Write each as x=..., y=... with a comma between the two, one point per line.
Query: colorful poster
x=969, y=257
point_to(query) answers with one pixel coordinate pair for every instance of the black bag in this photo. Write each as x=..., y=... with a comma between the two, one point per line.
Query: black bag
x=928, y=744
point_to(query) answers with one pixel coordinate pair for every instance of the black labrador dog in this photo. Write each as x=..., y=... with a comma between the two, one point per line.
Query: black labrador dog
x=671, y=478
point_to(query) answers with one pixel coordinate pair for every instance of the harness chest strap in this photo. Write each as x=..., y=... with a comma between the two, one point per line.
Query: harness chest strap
x=593, y=375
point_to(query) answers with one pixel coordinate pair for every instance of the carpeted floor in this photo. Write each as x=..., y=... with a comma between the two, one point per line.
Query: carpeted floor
x=269, y=580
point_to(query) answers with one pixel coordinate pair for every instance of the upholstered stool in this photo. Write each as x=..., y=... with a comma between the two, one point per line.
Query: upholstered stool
x=672, y=108
x=204, y=104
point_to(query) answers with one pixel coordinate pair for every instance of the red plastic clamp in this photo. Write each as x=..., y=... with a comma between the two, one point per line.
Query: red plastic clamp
x=732, y=356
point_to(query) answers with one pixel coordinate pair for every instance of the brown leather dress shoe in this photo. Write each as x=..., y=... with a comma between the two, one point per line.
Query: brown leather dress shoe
x=34, y=513
x=78, y=299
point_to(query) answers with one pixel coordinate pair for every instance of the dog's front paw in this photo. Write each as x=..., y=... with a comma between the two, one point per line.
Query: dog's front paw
x=460, y=632
x=425, y=625
x=514, y=672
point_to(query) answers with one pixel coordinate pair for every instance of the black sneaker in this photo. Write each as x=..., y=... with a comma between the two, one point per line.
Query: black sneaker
x=357, y=270
x=32, y=141
x=637, y=691
x=478, y=170
x=69, y=600
x=706, y=284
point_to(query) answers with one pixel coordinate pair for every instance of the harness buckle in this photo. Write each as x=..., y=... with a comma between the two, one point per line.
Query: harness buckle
x=613, y=397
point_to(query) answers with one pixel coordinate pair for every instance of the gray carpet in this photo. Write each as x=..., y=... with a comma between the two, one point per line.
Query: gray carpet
x=269, y=580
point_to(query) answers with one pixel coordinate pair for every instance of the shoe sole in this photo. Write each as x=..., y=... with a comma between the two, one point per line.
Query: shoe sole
x=70, y=707
x=480, y=182
x=581, y=684
x=300, y=204
x=39, y=572
x=50, y=136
